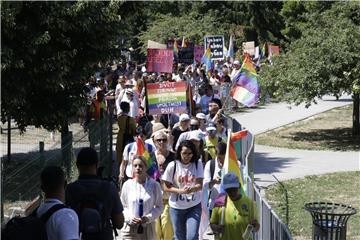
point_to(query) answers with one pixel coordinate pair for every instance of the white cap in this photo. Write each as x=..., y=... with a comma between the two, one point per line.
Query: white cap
x=211, y=127
x=200, y=116
x=230, y=180
x=236, y=62
x=184, y=117
x=195, y=135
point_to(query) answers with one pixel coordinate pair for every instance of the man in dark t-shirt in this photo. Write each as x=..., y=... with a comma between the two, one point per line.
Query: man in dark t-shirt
x=89, y=185
x=184, y=126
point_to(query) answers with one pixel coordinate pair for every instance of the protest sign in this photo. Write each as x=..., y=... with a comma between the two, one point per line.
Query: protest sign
x=186, y=54
x=159, y=60
x=166, y=97
x=249, y=47
x=275, y=50
x=198, y=52
x=216, y=43
x=153, y=44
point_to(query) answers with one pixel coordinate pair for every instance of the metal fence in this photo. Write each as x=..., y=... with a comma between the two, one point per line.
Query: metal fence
x=21, y=172
x=271, y=226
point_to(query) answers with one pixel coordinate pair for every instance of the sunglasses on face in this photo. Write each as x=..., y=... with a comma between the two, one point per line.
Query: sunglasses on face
x=161, y=140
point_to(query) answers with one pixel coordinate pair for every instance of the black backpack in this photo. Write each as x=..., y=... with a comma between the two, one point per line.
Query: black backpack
x=30, y=227
x=91, y=210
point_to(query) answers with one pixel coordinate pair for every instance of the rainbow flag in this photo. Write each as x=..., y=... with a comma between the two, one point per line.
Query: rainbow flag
x=153, y=170
x=206, y=58
x=231, y=161
x=231, y=165
x=247, y=89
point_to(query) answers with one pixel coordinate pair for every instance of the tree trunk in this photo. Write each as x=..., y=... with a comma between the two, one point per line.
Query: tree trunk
x=356, y=114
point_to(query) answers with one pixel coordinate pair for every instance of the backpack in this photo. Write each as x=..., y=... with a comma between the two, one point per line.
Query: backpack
x=91, y=210
x=30, y=227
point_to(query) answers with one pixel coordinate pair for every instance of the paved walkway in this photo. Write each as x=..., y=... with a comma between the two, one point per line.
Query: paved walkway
x=287, y=163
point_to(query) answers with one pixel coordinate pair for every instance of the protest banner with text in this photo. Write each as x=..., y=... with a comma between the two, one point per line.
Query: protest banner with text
x=166, y=97
x=216, y=43
x=159, y=60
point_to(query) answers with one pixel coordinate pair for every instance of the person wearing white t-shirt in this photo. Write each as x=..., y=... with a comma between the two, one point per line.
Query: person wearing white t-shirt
x=212, y=173
x=64, y=223
x=183, y=180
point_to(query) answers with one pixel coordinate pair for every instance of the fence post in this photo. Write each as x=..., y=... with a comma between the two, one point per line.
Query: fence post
x=9, y=139
x=66, y=151
x=41, y=152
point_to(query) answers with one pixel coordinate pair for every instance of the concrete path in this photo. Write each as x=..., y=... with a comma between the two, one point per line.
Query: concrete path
x=292, y=163
x=286, y=163
x=271, y=116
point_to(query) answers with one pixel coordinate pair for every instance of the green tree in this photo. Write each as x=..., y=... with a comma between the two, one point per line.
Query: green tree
x=48, y=50
x=191, y=26
x=324, y=60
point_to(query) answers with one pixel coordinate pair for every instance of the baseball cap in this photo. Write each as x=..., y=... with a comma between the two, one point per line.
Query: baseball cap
x=184, y=117
x=230, y=180
x=210, y=127
x=200, y=116
x=236, y=62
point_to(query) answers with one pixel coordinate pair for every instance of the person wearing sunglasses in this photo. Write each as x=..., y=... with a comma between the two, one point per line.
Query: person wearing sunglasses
x=164, y=229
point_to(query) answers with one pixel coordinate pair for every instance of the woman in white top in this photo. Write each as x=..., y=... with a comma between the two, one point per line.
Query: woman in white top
x=183, y=180
x=134, y=191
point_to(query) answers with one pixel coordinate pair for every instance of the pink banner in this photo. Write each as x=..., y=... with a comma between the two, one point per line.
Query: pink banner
x=159, y=60
x=198, y=52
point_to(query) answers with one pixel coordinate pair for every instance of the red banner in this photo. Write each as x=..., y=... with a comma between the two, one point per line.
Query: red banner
x=159, y=60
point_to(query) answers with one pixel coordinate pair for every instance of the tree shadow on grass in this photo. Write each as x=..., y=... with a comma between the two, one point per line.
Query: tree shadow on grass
x=339, y=139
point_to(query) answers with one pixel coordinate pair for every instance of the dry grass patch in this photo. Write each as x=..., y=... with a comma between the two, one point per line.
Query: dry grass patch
x=330, y=130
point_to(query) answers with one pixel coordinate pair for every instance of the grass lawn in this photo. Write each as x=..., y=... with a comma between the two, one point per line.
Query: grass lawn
x=335, y=187
x=330, y=130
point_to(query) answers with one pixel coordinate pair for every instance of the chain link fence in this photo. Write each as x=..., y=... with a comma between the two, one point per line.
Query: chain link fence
x=38, y=148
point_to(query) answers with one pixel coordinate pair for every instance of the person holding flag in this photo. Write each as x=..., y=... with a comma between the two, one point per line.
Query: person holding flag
x=234, y=213
x=240, y=213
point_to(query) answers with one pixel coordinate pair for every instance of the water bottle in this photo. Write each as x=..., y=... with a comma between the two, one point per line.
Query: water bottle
x=140, y=213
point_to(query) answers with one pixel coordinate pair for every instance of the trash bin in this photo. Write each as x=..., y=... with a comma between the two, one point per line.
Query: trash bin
x=329, y=219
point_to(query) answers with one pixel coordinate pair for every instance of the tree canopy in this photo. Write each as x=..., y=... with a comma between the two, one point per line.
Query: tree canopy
x=48, y=50
x=325, y=59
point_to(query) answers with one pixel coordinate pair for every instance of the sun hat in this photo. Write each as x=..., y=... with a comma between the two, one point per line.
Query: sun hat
x=184, y=117
x=230, y=180
x=157, y=127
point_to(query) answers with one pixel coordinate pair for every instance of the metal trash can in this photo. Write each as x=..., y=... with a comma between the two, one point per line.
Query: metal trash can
x=329, y=219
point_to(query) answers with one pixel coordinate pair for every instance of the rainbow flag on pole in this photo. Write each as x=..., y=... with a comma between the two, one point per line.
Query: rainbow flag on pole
x=246, y=89
x=206, y=58
x=153, y=170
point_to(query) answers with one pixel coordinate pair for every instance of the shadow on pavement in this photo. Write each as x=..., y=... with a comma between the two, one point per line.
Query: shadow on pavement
x=338, y=139
x=263, y=164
